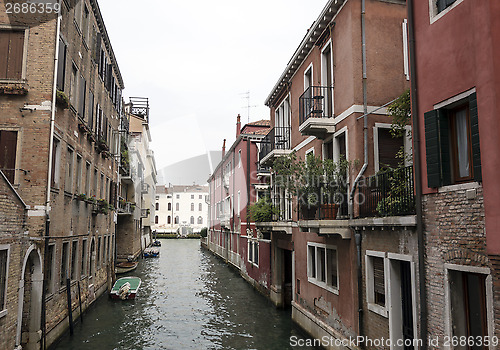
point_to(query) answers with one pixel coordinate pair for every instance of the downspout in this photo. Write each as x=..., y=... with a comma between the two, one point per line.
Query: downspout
x=43, y=315
x=418, y=177
x=358, y=236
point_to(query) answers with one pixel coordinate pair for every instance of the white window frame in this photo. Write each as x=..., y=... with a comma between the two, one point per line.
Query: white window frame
x=239, y=158
x=65, y=263
x=310, y=68
x=336, y=150
x=53, y=277
x=406, y=59
x=3, y=308
x=489, y=297
x=370, y=283
x=376, y=151
x=315, y=280
x=85, y=256
x=323, y=72
x=238, y=204
x=254, y=243
x=395, y=323
x=433, y=11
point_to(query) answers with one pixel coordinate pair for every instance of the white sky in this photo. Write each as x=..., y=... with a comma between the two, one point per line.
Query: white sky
x=195, y=60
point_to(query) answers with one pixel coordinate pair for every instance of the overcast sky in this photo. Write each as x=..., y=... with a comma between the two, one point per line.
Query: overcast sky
x=195, y=60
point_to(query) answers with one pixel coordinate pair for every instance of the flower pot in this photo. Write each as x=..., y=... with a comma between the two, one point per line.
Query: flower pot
x=308, y=212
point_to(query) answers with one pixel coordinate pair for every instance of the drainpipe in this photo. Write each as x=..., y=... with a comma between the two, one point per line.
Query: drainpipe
x=43, y=315
x=418, y=177
x=358, y=235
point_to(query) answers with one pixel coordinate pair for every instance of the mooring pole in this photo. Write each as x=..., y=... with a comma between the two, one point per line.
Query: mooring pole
x=80, y=301
x=70, y=313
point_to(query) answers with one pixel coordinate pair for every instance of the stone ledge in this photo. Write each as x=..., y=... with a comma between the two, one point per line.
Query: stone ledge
x=389, y=221
x=277, y=226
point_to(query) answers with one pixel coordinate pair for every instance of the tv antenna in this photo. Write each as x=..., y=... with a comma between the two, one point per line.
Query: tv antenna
x=248, y=106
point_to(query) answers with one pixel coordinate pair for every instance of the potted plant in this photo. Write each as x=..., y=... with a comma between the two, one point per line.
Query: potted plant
x=81, y=197
x=310, y=180
x=334, y=190
x=62, y=101
x=263, y=210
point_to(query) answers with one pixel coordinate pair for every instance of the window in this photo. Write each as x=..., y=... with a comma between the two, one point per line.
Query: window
x=157, y=207
x=8, y=147
x=64, y=264
x=82, y=85
x=192, y=196
x=191, y=220
x=92, y=258
x=74, y=259
x=253, y=252
x=468, y=306
x=85, y=23
x=73, y=83
x=192, y=206
x=238, y=204
x=387, y=148
x=376, y=282
x=452, y=143
x=177, y=206
x=200, y=206
x=308, y=77
x=79, y=173
x=169, y=206
x=4, y=260
x=50, y=269
x=239, y=158
x=68, y=181
x=327, y=76
x=101, y=191
x=87, y=179
x=83, y=267
x=169, y=219
x=322, y=266
x=99, y=251
x=96, y=175
x=200, y=220
x=443, y=4
x=156, y=219
x=105, y=250
x=11, y=61
x=61, y=64
x=177, y=196
x=176, y=220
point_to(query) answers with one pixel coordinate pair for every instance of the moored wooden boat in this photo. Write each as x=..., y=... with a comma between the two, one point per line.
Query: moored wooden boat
x=125, y=266
x=156, y=243
x=151, y=253
x=125, y=288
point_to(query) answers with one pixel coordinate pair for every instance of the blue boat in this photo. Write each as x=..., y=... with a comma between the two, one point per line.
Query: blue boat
x=151, y=253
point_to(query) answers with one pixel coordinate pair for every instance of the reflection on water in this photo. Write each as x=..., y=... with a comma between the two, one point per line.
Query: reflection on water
x=188, y=300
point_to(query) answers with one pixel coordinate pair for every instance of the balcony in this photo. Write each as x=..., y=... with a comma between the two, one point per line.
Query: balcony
x=225, y=221
x=145, y=213
x=390, y=193
x=316, y=111
x=125, y=208
x=275, y=144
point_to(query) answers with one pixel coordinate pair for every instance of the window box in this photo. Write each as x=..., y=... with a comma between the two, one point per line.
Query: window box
x=13, y=89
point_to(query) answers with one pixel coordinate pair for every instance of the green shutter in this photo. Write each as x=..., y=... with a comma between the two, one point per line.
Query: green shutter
x=474, y=125
x=432, y=148
x=444, y=147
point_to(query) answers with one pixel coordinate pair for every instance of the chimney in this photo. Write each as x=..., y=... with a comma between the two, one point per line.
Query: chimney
x=224, y=148
x=238, y=126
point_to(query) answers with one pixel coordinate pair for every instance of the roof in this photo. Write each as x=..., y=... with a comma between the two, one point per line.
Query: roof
x=181, y=189
x=262, y=122
x=307, y=44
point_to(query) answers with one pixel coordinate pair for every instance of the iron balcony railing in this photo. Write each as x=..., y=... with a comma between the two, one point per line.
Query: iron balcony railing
x=326, y=204
x=277, y=138
x=316, y=102
x=390, y=193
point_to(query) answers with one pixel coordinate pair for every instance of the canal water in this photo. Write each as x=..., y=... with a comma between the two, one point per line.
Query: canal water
x=189, y=299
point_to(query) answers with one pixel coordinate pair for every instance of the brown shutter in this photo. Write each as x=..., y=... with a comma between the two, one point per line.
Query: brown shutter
x=8, y=144
x=388, y=148
x=61, y=65
x=378, y=275
x=16, y=49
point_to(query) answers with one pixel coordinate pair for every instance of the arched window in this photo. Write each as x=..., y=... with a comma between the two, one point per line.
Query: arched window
x=156, y=219
x=200, y=207
x=192, y=220
x=200, y=220
x=192, y=206
x=92, y=258
x=176, y=220
x=169, y=206
x=177, y=206
x=169, y=220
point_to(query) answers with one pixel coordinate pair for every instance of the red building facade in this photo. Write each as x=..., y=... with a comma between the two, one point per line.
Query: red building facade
x=456, y=102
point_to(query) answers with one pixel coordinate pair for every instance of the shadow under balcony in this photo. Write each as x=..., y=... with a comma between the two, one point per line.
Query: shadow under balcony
x=316, y=112
x=275, y=144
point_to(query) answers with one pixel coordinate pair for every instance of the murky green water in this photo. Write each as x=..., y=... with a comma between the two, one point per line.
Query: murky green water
x=188, y=300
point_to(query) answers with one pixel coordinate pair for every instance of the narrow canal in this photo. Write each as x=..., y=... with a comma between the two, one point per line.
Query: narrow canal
x=189, y=299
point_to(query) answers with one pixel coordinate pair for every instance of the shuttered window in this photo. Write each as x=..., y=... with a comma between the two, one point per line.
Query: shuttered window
x=379, y=282
x=8, y=145
x=452, y=144
x=61, y=65
x=11, y=59
x=82, y=85
x=91, y=111
x=3, y=278
x=388, y=147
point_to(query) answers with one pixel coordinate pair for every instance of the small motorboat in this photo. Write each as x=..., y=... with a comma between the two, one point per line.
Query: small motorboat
x=125, y=266
x=151, y=253
x=125, y=288
x=156, y=243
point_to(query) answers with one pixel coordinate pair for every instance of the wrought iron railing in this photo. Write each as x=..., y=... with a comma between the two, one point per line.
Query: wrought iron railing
x=277, y=138
x=325, y=204
x=316, y=102
x=390, y=193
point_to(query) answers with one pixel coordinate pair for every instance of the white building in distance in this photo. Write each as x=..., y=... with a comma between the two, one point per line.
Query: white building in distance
x=181, y=209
